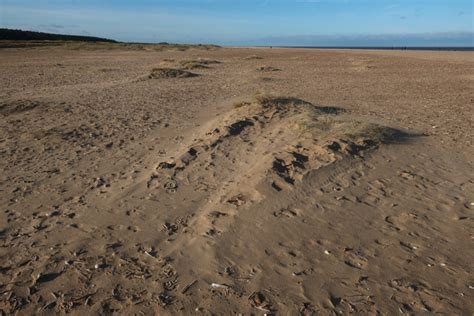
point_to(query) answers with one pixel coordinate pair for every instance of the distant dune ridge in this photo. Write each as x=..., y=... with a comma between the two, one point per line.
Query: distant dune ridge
x=20, y=35
x=27, y=39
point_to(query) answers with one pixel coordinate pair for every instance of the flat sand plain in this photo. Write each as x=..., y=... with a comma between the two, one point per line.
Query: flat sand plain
x=236, y=180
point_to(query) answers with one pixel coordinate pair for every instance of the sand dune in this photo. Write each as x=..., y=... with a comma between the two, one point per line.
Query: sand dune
x=342, y=183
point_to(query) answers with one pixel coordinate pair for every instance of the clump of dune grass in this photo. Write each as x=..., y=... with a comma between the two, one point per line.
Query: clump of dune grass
x=241, y=104
x=199, y=63
x=325, y=122
x=159, y=73
x=192, y=64
x=356, y=130
x=281, y=102
x=7, y=108
x=267, y=69
x=359, y=129
x=207, y=61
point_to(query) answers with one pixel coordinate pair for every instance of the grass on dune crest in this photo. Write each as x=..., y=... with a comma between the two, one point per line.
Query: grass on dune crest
x=325, y=121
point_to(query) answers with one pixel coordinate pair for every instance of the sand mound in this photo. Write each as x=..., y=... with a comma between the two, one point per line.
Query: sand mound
x=207, y=61
x=199, y=63
x=193, y=64
x=272, y=140
x=160, y=73
x=253, y=57
x=188, y=64
x=7, y=108
x=267, y=69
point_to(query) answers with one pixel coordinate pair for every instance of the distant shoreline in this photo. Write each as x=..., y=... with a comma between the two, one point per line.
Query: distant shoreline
x=16, y=35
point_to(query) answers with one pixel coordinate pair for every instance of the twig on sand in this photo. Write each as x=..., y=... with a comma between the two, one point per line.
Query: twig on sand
x=187, y=287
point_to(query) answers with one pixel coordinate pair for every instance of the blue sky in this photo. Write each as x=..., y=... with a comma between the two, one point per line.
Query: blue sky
x=251, y=22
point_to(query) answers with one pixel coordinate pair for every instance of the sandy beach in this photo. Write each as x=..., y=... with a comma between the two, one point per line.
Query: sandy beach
x=236, y=180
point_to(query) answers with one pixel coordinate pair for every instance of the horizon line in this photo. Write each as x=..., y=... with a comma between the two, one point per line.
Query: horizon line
x=254, y=42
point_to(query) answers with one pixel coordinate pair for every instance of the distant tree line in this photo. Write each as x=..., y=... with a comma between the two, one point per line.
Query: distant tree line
x=19, y=35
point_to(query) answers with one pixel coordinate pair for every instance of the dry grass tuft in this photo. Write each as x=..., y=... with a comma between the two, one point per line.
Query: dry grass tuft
x=265, y=101
x=206, y=61
x=7, y=108
x=267, y=69
x=330, y=127
x=358, y=129
x=160, y=73
x=238, y=105
x=192, y=64
x=325, y=121
x=198, y=63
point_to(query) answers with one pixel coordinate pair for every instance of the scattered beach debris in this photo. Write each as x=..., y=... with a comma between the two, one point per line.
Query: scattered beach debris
x=170, y=228
x=171, y=186
x=153, y=254
x=260, y=301
x=165, y=299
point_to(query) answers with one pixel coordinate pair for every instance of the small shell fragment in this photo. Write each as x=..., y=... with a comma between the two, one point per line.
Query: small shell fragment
x=219, y=286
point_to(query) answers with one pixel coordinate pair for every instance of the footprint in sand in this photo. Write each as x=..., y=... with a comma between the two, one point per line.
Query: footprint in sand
x=237, y=200
x=285, y=212
x=407, y=175
x=355, y=259
x=416, y=297
x=399, y=221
